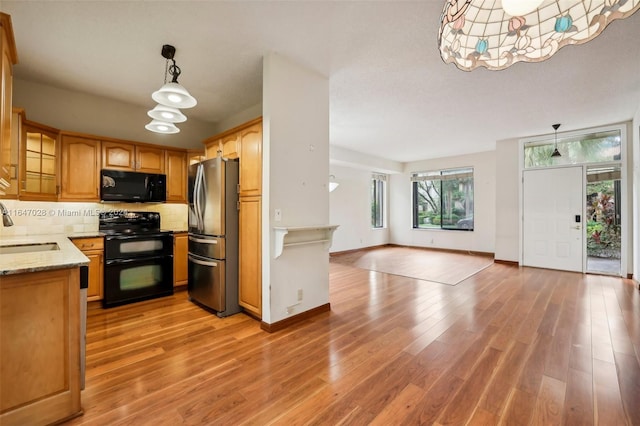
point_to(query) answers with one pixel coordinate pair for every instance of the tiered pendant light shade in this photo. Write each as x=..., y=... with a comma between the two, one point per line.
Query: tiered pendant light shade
x=169, y=114
x=169, y=97
x=162, y=127
x=498, y=33
x=174, y=95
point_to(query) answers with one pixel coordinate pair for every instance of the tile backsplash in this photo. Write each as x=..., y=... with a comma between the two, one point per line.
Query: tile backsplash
x=39, y=217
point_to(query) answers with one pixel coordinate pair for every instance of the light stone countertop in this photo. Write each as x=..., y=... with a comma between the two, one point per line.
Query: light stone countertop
x=68, y=256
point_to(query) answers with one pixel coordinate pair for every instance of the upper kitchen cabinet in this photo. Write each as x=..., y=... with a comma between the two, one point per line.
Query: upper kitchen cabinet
x=149, y=159
x=39, y=162
x=176, y=168
x=80, y=168
x=213, y=146
x=244, y=142
x=118, y=156
x=231, y=146
x=132, y=157
x=195, y=156
x=251, y=159
x=9, y=58
x=14, y=156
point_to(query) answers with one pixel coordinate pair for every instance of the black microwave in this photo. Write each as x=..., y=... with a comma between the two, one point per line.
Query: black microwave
x=130, y=187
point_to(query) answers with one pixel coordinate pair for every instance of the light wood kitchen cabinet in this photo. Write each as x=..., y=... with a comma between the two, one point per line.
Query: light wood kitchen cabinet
x=251, y=160
x=196, y=156
x=93, y=248
x=80, y=168
x=250, y=255
x=212, y=148
x=132, y=157
x=40, y=347
x=149, y=159
x=231, y=146
x=14, y=156
x=245, y=142
x=180, y=259
x=176, y=168
x=9, y=58
x=118, y=156
x=39, y=156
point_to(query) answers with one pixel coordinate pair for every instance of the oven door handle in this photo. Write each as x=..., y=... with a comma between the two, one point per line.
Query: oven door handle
x=202, y=262
x=202, y=240
x=137, y=236
x=134, y=260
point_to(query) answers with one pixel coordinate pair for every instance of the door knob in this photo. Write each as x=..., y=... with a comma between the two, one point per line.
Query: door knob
x=576, y=227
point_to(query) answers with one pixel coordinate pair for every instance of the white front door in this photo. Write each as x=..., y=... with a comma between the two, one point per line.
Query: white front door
x=553, y=218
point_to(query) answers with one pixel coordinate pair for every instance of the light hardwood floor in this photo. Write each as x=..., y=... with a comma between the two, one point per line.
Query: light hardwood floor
x=509, y=345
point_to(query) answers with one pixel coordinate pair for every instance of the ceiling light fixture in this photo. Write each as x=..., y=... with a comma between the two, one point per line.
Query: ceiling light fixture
x=555, y=153
x=480, y=33
x=170, y=97
x=158, y=126
x=165, y=113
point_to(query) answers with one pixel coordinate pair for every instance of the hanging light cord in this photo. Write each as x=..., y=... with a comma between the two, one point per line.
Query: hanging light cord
x=172, y=70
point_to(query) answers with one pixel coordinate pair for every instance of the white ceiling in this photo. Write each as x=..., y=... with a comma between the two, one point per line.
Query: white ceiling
x=391, y=95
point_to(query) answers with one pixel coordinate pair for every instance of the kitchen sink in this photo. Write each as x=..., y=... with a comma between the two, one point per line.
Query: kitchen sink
x=28, y=248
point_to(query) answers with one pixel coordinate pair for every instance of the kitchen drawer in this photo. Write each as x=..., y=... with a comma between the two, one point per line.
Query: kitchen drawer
x=85, y=244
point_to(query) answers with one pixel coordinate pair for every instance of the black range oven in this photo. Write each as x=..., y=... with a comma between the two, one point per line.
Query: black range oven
x=138, y=257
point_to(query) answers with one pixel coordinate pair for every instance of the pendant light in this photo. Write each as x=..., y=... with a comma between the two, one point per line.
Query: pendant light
x=168, y=114
x=556, y=153
x=170, y=97
x=172, y=94
x=158, y=126
x=497, y=34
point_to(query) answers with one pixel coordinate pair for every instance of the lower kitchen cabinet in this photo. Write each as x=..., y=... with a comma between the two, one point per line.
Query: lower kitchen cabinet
x=40, y=347
x=180, y=259
x=93, y=248
x=250, y=255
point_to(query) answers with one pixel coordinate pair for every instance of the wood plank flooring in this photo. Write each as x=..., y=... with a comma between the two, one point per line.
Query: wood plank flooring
x=440, y=266
x=513, y=346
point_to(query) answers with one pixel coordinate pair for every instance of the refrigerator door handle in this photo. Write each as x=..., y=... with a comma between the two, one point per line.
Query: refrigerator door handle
x=202, y=240
x=196, y=198
x=202, y=262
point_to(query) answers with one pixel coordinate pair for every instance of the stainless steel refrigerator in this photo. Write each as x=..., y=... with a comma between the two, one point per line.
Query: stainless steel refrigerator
x=213, y=235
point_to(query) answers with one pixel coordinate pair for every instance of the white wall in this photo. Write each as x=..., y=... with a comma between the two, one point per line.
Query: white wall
x=242, y=117
x=507, y=207
x=350, y=208
x=295, y=178
x=481, y=239
x=80, y=112
x=350, y=203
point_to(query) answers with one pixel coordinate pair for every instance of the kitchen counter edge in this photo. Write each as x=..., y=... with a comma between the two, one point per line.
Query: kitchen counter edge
x=68, y=255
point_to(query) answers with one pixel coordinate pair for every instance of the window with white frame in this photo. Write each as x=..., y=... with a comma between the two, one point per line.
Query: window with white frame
x=443, y=199
x=378, y=183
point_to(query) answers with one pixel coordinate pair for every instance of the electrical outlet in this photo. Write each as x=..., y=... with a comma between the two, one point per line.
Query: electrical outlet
x=300, y=294
x=277, y=215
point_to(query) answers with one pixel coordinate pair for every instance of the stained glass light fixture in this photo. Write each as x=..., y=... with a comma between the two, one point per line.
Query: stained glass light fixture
x=495, y=34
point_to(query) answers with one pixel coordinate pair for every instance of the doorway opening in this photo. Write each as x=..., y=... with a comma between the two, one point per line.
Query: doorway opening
x=575, y=220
